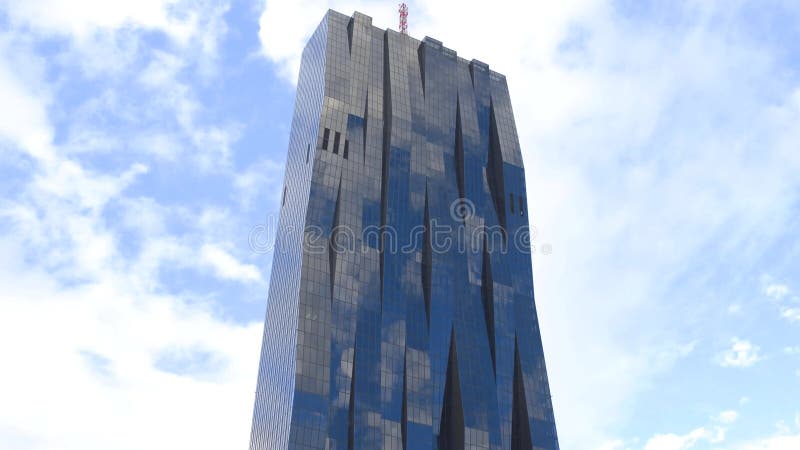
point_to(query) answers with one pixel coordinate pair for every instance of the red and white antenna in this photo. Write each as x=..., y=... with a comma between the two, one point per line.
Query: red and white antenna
x=403, y=18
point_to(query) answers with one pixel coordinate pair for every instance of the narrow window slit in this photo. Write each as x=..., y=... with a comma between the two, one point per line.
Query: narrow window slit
x=325, y=137
x=336, y=143
x=346, y=145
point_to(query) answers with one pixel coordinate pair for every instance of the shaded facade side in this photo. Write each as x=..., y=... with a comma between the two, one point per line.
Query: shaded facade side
x=402, y=316
x=276, y=384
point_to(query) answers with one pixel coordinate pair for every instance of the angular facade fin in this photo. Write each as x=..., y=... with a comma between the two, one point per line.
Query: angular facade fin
x=451, y=435
x=350, y=25
x=472, y=74
x=520, y=424
x=421, y=58
x=364, y=133
x=494, y=170
x=459, y=150
x=487, y=294
x=427, y=259
x=387, y=142
x=332, y=244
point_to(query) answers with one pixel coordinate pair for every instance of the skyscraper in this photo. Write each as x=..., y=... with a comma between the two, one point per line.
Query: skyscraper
x=401, y=312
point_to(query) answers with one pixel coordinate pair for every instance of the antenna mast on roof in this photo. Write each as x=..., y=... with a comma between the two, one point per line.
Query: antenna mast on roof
x=403, y=18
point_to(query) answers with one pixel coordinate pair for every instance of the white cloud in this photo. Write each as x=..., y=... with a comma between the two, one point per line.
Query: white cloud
x=162, y=69
x=101, y=341
x=285, y=26
x=265, y=176
x=710, y=434
x=779, y=292
x=208, y=145
x=108, y=43
x=284, y=29
x=790, y=442
x=124, y=329
x=741, y=354
x=160, y=249
x=97, y=323
x=668, y=355
x=228, y=267
x=615, y=444
x=163, y=145
x=727, y=417
x=776, y=290
x=105, y=38
x=26, y=124
x=686, y=441
x=82, y=18
x=783, y=427
x=791, y=314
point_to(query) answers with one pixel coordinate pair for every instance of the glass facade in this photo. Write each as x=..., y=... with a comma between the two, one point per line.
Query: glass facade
x=401, y=312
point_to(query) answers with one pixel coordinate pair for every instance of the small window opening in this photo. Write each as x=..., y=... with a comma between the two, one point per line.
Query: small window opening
x=325, y=137
x=336, y=143
x=522, y=206
x=308, y=152
x=346, y=145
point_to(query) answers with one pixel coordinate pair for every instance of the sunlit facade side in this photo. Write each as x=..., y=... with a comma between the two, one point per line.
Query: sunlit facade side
x=401, y=312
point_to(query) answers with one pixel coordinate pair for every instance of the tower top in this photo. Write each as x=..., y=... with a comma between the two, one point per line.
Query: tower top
x=403, y=18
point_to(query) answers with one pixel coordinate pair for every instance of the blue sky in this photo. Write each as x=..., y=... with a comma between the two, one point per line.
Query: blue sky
x=141, y=154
